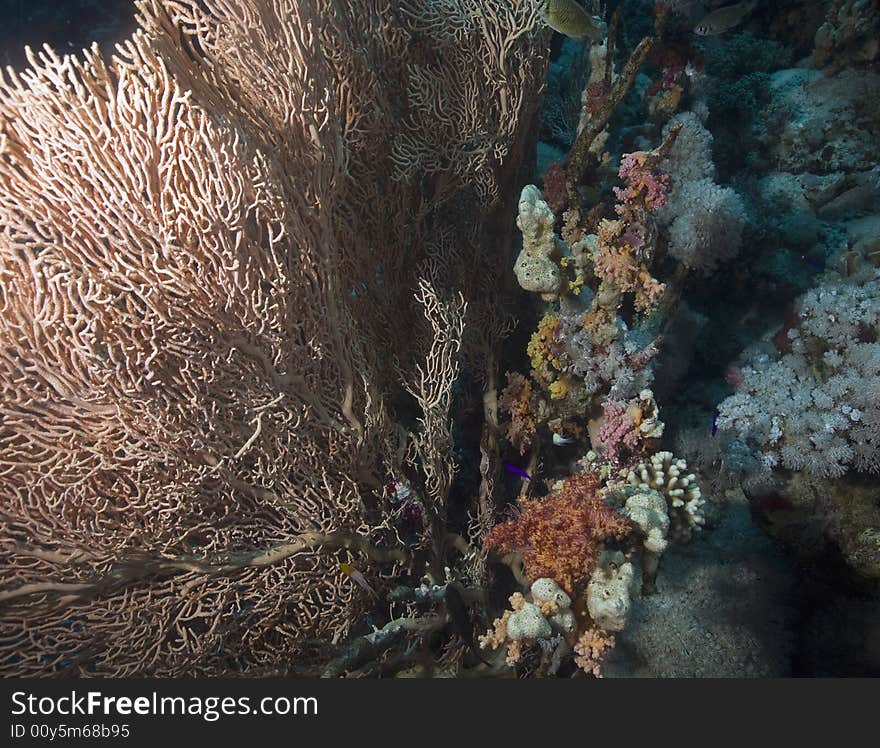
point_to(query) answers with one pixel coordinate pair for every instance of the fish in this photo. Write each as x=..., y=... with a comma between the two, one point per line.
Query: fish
x=715, y=422
x=569, y=17
x=560, y=441
x=357, y=577
x=724, y=19
x=517, y=471
x=813, y=264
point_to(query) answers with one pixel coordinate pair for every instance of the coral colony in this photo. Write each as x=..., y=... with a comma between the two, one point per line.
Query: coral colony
x=475, y=338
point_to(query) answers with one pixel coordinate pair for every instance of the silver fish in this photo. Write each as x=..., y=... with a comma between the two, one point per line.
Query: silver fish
x=724, y=19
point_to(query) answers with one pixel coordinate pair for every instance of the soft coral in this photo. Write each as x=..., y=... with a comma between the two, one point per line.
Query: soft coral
x=560, y=536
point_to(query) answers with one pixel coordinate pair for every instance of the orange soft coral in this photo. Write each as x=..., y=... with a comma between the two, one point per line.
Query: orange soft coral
x=591, y=648
x=648, y=291
x=526, y=410
x=615, y=261
x=559, y=536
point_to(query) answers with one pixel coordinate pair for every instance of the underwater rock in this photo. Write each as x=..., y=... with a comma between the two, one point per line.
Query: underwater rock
x=858, y=194
x=781, y=191
x=723, y=607
x=822, y=123
x=849, y=34
x=841, y=635
x=813, y=515
x=864, y=236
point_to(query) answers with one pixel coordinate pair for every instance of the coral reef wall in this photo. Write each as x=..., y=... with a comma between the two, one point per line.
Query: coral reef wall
x=706, y=259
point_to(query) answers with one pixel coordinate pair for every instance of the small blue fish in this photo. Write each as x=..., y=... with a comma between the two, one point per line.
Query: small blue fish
x=715, y=423
x=813, y=264
x=517, y=471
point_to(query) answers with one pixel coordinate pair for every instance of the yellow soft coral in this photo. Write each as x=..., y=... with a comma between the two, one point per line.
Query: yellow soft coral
x=540, y=346
x=571, y=266
x=560, y=388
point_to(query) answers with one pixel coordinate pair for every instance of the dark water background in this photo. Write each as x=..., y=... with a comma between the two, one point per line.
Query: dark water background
x=66, y=25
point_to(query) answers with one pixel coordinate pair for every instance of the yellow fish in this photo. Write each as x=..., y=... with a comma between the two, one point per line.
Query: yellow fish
x=724, y=19
x=568, y=17
x=357, y=577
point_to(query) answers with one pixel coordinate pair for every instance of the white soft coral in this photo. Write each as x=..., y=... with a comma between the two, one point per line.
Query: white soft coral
x=818, y=407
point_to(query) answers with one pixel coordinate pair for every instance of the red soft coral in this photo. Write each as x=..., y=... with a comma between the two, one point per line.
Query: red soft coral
x=554, y=188
x=560, y=536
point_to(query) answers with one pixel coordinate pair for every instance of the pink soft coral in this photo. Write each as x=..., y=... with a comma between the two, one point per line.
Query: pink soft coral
x=618, y=430
x=643, y=182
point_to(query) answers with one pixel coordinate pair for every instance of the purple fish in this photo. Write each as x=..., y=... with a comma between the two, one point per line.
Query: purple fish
x=517, y=471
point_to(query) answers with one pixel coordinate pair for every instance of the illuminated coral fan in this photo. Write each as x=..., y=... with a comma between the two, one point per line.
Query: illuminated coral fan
x=560, y=536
